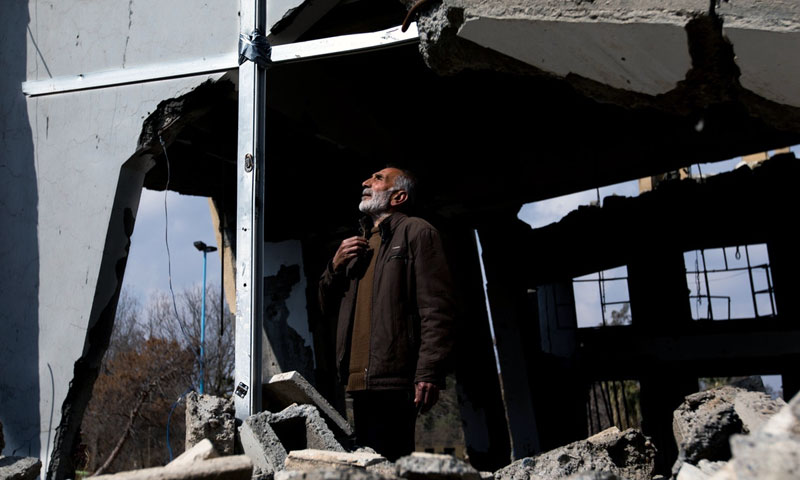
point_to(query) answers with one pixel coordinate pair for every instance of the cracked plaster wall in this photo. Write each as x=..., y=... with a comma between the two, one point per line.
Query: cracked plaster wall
x=285, y=313
x=67, y=202
x=85, y=36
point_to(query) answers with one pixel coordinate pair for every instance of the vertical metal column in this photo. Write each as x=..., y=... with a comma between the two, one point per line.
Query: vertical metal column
x=250, y=221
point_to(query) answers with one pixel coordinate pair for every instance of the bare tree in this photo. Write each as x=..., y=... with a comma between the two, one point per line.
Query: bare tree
x=151, y=363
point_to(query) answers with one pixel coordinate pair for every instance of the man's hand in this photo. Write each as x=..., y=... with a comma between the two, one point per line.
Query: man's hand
x=425, y=396
x=350, y=248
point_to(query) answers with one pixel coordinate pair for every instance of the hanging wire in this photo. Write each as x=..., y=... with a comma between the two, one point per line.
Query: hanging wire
x=169, y=257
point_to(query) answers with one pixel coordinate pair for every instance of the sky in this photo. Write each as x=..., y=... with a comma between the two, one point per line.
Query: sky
x=190, y=220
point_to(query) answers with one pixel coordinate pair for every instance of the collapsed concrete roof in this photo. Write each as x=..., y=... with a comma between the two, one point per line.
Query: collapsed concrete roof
x=546, y=97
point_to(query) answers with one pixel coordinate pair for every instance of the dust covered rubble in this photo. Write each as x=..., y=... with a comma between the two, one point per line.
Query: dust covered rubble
x=299, y=443
x=705, y=421
x=767, y=446
x=609, y=454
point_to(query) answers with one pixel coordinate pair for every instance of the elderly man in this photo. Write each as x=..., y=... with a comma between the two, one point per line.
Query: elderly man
x=392, y=289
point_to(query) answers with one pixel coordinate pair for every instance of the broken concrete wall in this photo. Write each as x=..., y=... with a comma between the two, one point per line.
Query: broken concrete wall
x=287, y=340
x=90, y=212
x=70, y=193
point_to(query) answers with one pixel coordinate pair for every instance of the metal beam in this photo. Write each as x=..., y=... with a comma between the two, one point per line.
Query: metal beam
x=250, y=222
x=293, y=52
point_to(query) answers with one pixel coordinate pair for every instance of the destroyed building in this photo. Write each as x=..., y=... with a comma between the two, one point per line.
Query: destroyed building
x=494, y=104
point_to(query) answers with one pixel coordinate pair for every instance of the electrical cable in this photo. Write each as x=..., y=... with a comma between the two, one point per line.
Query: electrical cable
x=169, y=257
x=169, y=417
x=172, y=292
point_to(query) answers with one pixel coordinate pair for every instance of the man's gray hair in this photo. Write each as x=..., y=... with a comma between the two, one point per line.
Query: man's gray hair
x=408, y=182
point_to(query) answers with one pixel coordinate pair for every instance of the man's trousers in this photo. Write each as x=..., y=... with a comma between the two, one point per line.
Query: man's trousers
x=384, y=421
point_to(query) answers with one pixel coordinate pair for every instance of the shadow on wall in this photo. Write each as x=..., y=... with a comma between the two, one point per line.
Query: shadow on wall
x=101, y=319
x=19, y=247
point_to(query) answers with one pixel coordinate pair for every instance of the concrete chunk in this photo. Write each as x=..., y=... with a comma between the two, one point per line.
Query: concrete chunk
x=330, y=474
x=210, y=417
x=237, y=467
x=19, y=468
x=202, y=451
x=704, y=423
x=627, y=454
x=310, y=459
x=771, y=452
x=287, y=388
x=434, y=466
x=261, y=444
x=300, y=427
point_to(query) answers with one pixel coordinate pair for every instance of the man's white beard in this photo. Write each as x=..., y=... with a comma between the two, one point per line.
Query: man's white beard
x=377, y=204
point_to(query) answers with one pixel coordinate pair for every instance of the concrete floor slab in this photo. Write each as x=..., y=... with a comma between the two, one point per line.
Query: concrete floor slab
x=641, y=57
x=769, y=62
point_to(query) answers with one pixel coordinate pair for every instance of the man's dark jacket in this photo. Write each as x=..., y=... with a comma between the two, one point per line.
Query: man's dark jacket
x=411, y=332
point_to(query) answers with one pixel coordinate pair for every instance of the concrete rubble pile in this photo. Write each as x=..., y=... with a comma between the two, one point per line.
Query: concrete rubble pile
x=613, y=453
x=722, y=434
x=17, y=468
x=731, y=434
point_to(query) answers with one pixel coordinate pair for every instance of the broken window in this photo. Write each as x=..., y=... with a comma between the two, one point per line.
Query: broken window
x=602, y=299
x=730, y=282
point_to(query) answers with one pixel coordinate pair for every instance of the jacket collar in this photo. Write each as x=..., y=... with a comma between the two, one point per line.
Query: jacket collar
x=386, y=227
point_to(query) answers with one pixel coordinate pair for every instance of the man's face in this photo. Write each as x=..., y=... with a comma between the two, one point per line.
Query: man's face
x=377, y=194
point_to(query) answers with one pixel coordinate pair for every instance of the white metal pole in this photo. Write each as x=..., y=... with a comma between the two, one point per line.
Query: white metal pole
x=250, y=221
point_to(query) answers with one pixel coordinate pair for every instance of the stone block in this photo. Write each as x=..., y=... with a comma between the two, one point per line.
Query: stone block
x=300, y=427
x=202, y=451
x=236, y=467
x=210, y=417
x=288, y=388
x=434, y=466
x=310, y=459
x=627, y=454
x=261, y=444
x=19, y=468
x=343, y=473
